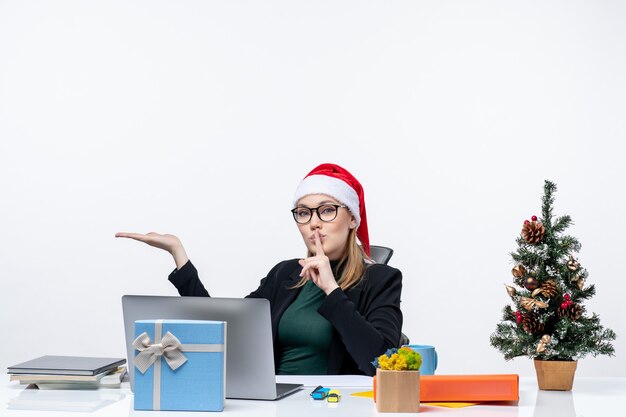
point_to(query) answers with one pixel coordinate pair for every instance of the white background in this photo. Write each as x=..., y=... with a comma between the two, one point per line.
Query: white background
x=199, y=118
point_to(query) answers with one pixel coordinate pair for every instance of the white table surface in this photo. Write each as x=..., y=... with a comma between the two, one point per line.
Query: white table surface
x=590, y=397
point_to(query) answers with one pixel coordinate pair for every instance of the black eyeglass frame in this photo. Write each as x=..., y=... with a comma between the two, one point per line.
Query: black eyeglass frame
x=316, y=210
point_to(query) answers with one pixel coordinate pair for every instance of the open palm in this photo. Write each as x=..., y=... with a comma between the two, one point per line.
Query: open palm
x=167, y=242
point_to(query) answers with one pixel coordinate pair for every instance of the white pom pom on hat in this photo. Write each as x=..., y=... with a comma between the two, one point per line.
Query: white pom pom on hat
x=337, y=182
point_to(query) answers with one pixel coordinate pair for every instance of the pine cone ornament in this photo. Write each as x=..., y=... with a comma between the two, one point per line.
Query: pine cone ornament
x=573, y=311
x=531, y=323
x=548, y=289
x=533, y=232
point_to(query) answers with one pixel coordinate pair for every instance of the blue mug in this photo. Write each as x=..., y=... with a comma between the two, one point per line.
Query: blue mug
x=429, y=358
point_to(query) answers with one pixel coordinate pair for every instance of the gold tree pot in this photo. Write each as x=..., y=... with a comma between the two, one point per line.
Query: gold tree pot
x=555, y=375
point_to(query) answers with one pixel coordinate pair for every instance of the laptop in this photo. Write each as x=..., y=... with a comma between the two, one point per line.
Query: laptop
x=249, y=347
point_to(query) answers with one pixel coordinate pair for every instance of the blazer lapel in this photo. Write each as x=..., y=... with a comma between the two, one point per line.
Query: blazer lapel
x=337, y=350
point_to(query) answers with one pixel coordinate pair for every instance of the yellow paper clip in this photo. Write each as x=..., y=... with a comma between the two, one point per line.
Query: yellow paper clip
x=333, y=396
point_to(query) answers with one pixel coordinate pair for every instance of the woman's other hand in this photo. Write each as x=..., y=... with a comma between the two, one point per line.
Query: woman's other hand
x=169, y=243
x=317, y=268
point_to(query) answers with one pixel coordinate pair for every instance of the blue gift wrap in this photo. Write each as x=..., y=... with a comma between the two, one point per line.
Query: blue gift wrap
x=180, y=365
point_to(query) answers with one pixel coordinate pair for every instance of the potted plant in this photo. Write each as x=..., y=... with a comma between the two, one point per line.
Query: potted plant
x=548, y=321
x=397, y=381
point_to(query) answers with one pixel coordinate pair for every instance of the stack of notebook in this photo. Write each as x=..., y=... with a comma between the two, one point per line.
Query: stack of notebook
x=70, y=372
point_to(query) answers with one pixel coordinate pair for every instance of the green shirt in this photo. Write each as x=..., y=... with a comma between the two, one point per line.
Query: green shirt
x=304, y=336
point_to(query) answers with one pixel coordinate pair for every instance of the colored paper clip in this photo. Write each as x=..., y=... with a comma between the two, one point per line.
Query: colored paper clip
x=319, y=393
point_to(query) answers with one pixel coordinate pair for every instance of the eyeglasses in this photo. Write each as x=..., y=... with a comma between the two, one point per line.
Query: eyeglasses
x=326, y=213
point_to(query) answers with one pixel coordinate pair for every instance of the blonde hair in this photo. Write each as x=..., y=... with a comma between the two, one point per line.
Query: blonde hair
x=353, y=262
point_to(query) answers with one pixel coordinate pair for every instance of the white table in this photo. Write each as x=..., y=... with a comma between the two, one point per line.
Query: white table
x=590, y=397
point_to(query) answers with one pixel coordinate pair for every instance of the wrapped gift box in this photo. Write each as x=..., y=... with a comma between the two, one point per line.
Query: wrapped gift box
x=179, y=365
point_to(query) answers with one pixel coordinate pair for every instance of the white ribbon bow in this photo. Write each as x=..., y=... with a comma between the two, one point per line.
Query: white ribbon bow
x=169, y=348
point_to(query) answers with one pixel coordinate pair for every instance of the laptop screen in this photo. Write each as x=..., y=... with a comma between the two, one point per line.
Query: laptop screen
x=249, y=345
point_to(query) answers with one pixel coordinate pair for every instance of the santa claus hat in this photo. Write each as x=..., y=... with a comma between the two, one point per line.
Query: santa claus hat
x=338, y=183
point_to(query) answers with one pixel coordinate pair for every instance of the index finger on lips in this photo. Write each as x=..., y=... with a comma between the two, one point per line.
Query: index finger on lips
x=319, y=250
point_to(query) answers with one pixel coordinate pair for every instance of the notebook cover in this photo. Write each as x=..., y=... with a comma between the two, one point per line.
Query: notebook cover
x=66, y=365
x=503, y=387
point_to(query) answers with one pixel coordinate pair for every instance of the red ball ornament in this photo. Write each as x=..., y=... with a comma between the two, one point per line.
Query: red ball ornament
x=518, y=319
x=567, y=297
x=534, y=218
x=564, y=305
x=526, y=222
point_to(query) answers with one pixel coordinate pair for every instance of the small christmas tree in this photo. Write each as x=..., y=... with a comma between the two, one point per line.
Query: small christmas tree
x=548, y=321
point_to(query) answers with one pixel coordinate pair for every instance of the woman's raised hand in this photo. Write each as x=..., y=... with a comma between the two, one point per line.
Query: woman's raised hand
x=169, y=243
x=317, y=268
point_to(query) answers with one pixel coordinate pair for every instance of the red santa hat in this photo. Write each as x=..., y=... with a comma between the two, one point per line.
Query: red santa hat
x=338, y=183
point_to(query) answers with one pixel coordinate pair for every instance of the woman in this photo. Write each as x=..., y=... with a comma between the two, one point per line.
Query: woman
x=334, y=311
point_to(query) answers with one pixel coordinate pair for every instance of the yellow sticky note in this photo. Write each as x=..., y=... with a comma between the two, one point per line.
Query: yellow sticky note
x=365, y=394
x=455, y=404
